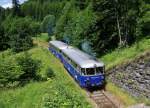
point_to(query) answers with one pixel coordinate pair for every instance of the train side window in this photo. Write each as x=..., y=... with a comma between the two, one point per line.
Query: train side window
x=83, y=72
x=69, y=60
x=65, y=56
x=99, y=70
x=78, y=68
x=74, y=65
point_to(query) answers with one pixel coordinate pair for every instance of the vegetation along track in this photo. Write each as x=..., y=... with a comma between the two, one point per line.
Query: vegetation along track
x=101, y=99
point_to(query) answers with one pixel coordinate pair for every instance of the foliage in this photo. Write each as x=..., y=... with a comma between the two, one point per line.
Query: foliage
x=119, y=56
x=48, y=24
x=81, y=24
x=50, y=73
x=64, y=97
x=62, y=21
x=3, y=40
x=2, y=14
x=42, y=37
x=74, y=24
x=10, y=71
x=30, y=67
x=38, y=9
x=19, y=32
x=105, y=24
x=34, y=28
x=16, y=8
x=19, y=70
x=144, y=20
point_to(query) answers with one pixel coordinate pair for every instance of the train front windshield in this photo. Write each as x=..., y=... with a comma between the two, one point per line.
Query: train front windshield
x=92, y=71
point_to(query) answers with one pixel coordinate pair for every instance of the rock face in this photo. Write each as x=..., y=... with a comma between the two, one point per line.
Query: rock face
x=134, y=77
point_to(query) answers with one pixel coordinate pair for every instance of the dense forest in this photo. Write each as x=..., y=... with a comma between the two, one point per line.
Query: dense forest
x=95, y=26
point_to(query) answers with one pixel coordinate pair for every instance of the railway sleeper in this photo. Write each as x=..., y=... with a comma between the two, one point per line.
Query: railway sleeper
x=96, y=95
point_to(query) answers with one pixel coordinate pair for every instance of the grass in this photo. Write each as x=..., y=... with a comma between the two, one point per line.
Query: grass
x=42, y=37
x=61, y=91
x=41, y=40
x=125, y=98
x=120, y=56
x=122, y=96
x=25, y=97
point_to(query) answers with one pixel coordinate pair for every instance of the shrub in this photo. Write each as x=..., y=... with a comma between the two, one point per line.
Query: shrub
x=19, y=32
x=21, y=38
x=50, y=73
x=65, y=97
x=10, y=71
x=30, y=68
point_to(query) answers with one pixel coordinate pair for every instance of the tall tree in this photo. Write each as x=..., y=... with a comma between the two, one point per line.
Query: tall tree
x=48, y=24
x=16, y=7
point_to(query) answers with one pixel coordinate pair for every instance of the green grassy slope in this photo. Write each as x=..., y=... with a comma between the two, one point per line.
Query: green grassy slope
x=61, y=91
x=118, y=57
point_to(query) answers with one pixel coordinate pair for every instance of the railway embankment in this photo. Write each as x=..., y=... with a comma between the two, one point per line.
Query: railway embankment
x=133, y=76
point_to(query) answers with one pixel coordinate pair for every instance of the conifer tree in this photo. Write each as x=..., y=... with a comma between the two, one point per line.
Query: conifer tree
x=16, y=8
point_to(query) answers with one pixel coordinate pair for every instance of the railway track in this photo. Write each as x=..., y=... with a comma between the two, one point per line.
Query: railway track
x=101, y=99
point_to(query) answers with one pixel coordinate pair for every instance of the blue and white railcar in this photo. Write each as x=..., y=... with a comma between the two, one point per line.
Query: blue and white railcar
x=87, y=71
x=56, y=46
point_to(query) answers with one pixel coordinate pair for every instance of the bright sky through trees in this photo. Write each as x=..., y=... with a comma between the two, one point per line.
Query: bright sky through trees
x=8, y=3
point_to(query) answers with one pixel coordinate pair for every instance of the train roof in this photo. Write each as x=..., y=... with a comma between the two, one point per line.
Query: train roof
x=79, y=57
x=59, y=44
x=82, y=59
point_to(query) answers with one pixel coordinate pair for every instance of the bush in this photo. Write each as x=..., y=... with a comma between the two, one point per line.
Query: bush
x=10, y=72
x=19, y=32
x=50, y=73
x=65, y=97
x=21, y=38
x=18, y=71
x=30, y=68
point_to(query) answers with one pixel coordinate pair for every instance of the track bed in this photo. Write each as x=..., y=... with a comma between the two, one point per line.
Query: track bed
x=101, y=99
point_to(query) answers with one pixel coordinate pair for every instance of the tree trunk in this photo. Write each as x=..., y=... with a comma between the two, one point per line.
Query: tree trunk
x=119, y=31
